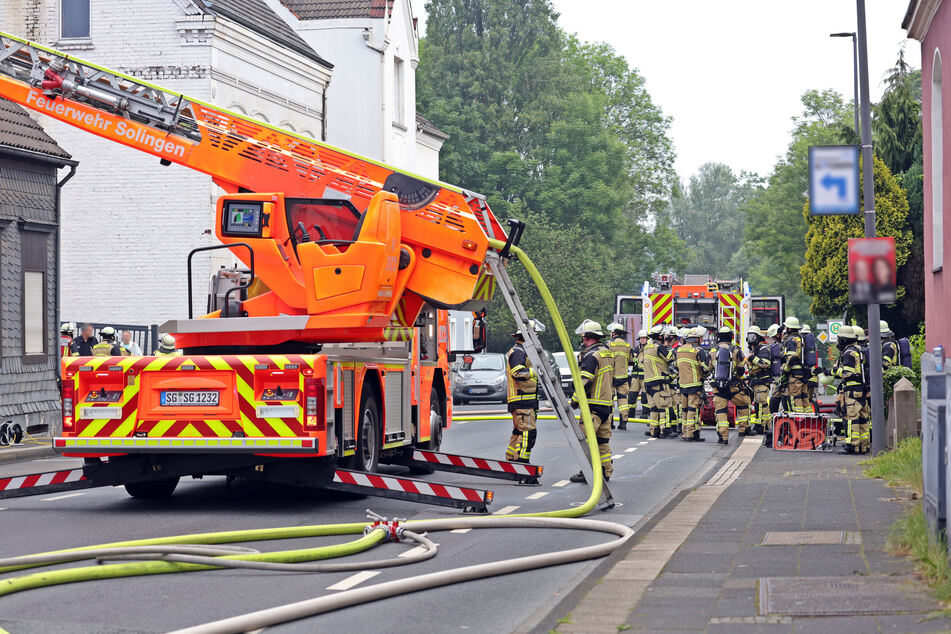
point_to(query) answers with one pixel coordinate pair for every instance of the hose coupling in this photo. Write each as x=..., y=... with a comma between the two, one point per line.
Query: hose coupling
x=392, y=530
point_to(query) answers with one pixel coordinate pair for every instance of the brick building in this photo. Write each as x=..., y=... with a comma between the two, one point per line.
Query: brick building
x=29, y=230
x=929, y=22
x=129, y=223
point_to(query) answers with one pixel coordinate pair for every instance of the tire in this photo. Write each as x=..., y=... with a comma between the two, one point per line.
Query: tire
x=437, y=418
x=366, y=456
x=152, y=489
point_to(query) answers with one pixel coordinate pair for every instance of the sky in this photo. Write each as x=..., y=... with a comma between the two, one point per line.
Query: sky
x=730, y=72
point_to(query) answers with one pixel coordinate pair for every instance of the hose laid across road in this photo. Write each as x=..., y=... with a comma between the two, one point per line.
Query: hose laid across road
x=186, y=559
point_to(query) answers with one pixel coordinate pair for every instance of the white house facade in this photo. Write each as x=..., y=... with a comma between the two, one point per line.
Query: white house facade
x=128, y=223
x=371, y=102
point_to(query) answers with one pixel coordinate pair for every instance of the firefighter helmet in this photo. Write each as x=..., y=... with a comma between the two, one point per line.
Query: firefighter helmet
x=536, y=325
x=590, y=328
x=884, y=329
x=683, y=333
x=656, y=332
x=724, y=333
x=846, y=332
x=699, y=332
x=756, y=330
x=108, y=333
x=168, y=343
x=859, y=333
x=773, y=330
x=805, y=328
x=641, y=333
x=791, y=323
x=67, y=328
x=616, y=327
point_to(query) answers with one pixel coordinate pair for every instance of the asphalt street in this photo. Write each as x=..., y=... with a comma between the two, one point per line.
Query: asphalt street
x=647, y=473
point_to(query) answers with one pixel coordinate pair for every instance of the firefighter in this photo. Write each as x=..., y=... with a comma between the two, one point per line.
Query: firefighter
x=890, y=355
x=670, y=383
x=759, y=363
x=622, y=358
x=522, y=399
x=774, y=343
x=636, y=392
x=596, y=362
x=657, y=358
x=690, y=379
x=794, y=368
x=108, y=347
x=811, y=364
x=66, y=334
x=850, y=398
x=728, y=368
x=166, y=346
x=861, y=341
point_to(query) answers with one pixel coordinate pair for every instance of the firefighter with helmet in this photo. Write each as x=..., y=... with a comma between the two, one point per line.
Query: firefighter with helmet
x=596, y=362
x=728, y=368
x=861, y=340
x=636, y=392
x=522, y=399
x=670, y=383
x=850, y=399
x=775, y=345
x=890, y=353
x=657, y=359
x=108, y=347
x=759, y=363
x=691, y=363
x=166, y=346
x=794, y=367
x=66, y=334
x=811, y=364
x=623, y=357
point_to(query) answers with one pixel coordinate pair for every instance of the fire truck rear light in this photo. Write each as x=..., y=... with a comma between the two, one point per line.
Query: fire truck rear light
x=59, y=442
x=68, y=394
x=307, y=442
x=314, y=403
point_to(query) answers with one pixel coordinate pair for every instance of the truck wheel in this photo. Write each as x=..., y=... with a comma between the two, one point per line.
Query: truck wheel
x=152, y=489
x=437, y=417
x=366, y=455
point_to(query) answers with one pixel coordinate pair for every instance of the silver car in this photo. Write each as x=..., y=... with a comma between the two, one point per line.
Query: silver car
x=481, y=379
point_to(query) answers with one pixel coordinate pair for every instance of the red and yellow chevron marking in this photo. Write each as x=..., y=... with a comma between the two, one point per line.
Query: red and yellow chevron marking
x=730, y=303
x=663, y=304
x=132, y=369
x=485, y=286
x=397, y=333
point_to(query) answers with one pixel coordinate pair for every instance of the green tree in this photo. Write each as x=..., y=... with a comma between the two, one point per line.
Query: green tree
x=775, y=228
x=825, y=270
x=708, y=216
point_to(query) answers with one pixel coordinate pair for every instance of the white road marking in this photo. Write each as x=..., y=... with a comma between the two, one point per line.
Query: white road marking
x=643, y=442
x=415, y=551
x=630, y=449
x=461, y=530
x=505, y=510
x=616, y=456
x=459, y=422
x=537, y=496
x=3, y=508
x=354, y=580
x=62, y=497
x=562, y=483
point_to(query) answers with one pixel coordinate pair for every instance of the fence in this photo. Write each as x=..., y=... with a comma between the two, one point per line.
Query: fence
x=146, y=336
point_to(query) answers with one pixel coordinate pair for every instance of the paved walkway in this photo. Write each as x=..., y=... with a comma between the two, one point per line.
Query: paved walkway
x=774, y=541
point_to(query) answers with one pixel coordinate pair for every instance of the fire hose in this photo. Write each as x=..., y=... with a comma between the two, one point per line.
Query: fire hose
x=186, y=553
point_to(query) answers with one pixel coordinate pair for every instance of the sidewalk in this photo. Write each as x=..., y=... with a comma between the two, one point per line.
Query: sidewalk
x=29, y=449
x=774, y=541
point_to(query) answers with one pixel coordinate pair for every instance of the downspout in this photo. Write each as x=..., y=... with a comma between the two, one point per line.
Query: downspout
x=59, y=243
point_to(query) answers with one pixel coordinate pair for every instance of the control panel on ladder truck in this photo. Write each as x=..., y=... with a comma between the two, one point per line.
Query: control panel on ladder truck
x=330, y=342
x=699, y=300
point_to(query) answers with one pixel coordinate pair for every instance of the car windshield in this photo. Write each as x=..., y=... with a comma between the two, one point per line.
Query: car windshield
x=561, y=359
x=494, y=362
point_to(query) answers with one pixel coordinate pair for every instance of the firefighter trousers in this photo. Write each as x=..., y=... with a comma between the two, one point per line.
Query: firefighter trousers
x=658, y=401
x=523, y=435
x=691, y=402
x=759, y=414
x=601, y=420
x=737, y=395
x=634, y=394
x=852, y=405
x=798, y=395
x=623, y=405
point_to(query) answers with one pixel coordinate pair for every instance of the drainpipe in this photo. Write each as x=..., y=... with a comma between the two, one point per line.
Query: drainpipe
x=59, y=243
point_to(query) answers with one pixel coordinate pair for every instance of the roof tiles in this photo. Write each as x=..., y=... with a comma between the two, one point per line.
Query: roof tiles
x=19, y=131
x=332, y=9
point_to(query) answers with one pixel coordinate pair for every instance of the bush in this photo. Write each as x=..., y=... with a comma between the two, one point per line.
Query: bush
x=893, y=374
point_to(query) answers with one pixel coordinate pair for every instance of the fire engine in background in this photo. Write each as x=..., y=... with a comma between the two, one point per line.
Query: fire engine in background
x=698, y=301
x=330, y=340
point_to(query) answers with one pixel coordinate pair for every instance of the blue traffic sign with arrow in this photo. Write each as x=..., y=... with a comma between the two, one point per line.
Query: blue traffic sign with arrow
x=834, y=179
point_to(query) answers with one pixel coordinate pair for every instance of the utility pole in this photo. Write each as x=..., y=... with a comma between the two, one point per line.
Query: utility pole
x=855, y=78
x=868, y=196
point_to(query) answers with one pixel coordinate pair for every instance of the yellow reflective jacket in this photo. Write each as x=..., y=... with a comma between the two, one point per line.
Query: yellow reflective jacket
x=522, y=380
x=622, y=357
x=657, y=358
x=689, y=368
x=597, y=374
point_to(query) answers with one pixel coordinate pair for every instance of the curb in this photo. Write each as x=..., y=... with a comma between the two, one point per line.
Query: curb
x=24, y=454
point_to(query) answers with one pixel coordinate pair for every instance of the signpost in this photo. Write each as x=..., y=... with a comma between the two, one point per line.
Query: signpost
x=834, y=325
x=833, y=180
x=823, y=336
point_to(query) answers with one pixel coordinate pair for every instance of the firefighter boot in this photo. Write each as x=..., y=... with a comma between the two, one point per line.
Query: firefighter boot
x=697, y=437
x=578, y=477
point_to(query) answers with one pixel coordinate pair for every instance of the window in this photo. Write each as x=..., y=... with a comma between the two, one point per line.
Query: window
x=74, y=18
x=34, y=258
x=399, y=113
x=937, y=166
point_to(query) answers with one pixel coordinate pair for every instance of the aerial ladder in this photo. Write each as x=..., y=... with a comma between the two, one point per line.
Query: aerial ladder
x=331, y=343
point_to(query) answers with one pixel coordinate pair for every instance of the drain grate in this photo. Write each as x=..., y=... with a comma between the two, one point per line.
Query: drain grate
x=811, y=538
x=832, y=596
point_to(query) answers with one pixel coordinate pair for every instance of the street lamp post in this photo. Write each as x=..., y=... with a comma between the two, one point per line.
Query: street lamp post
x=868, y=195
x=855, y=76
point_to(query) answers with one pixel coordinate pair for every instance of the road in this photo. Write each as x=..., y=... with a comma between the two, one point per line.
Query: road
x=647, y=472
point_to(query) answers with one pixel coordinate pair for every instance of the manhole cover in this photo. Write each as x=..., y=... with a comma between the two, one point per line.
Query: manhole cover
x=810, y=538
x=831, y=596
